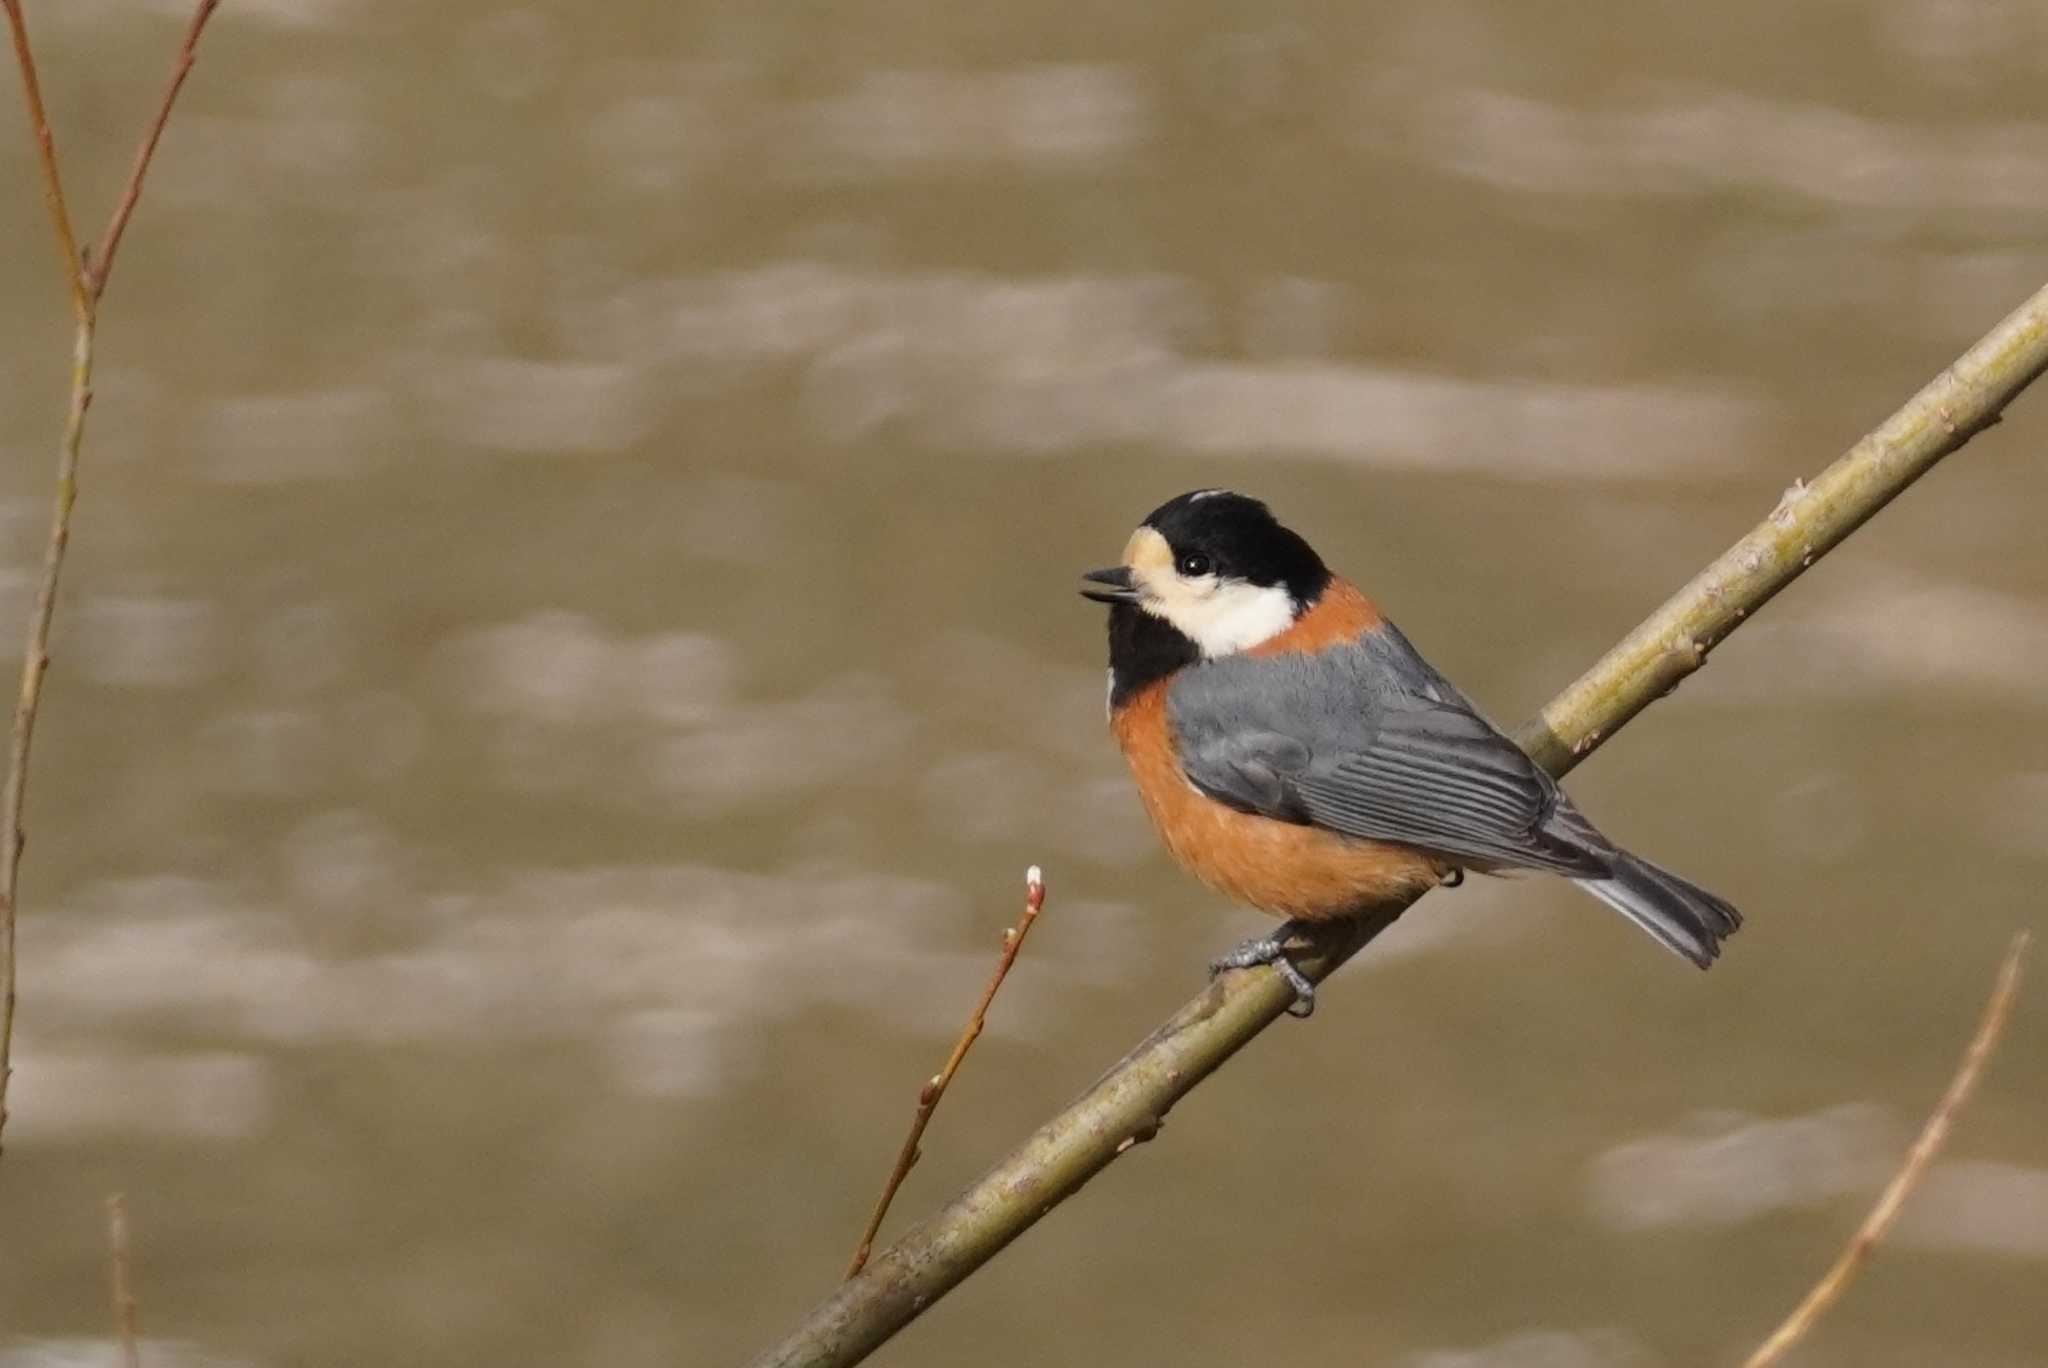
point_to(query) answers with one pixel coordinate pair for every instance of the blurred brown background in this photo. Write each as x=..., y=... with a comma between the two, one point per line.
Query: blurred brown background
x=570, y=645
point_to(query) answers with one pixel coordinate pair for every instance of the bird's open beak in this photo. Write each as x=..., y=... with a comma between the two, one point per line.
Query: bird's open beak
x=1117, y=586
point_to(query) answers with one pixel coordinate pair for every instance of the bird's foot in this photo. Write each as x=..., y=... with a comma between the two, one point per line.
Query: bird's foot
x=1271, y=950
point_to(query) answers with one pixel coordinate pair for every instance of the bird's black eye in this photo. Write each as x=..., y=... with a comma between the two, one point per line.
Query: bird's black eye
x=1194, y=565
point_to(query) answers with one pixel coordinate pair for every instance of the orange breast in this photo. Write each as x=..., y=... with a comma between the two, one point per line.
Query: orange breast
x=1277, y=867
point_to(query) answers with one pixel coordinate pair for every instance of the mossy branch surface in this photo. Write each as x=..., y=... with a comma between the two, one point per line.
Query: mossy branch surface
x=1127, y=1104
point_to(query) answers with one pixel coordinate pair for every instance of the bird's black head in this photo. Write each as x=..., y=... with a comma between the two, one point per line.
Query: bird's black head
x=1205, y=575
x=1236, y=537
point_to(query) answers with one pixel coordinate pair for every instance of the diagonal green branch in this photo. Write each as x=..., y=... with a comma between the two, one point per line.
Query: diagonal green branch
x=1126, y=1105
x=1810, y=521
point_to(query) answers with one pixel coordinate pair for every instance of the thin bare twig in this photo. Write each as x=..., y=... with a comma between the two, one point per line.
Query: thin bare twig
x=181, y=66
x=1918, y=1158
x=46, y=156
x=120, y=1280
x=935, y=1086
x=86, y=284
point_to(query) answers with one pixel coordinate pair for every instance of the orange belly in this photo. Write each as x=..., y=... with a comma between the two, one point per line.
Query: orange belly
x=1277, y=867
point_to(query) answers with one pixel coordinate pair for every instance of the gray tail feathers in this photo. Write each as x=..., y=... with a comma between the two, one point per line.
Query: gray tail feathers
x=1684, y=917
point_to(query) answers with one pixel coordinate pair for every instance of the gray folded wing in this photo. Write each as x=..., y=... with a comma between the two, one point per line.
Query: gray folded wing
x=1368, y=741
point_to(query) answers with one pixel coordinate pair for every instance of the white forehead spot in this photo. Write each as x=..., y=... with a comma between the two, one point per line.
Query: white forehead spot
x=1202, y=494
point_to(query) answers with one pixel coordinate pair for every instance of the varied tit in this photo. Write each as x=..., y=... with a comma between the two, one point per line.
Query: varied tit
x=1297, y=753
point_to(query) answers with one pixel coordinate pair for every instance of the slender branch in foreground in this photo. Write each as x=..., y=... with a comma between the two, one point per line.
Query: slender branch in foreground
x=120, y=1282
x=935, y=1087
x=1917, y=1161
x=86, y=282
x=117, y=223
x=1128, y=1102
x=46, y=158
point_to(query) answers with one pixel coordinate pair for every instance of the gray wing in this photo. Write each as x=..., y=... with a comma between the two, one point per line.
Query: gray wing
x=1369, y=741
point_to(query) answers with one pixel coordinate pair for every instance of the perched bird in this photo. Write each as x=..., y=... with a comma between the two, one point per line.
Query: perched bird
x=1297, y=753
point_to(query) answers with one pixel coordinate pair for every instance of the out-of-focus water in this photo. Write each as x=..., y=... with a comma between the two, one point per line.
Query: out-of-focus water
x=570, y=645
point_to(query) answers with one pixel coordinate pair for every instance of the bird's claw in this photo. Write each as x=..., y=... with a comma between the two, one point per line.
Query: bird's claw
x=1271, y=950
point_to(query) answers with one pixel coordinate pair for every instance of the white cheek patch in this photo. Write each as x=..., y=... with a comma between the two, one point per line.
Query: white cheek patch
x=1232, y=617
x=1221, y=616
